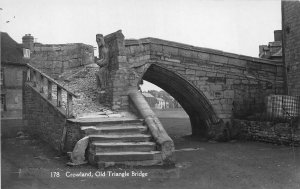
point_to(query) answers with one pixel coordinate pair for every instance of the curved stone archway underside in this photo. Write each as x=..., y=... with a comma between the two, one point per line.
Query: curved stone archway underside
x=190, y=98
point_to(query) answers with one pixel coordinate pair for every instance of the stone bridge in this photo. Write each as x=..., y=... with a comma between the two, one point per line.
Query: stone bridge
x=211, y=85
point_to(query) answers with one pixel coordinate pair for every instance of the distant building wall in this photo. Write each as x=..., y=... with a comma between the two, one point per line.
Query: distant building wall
x=273, y=50
x=11, y=90
x=12, y=66
x=291, y=44
x=58, y=58
x=150, y=99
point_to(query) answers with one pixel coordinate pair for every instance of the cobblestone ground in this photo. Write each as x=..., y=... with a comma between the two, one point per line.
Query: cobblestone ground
x=29, y=163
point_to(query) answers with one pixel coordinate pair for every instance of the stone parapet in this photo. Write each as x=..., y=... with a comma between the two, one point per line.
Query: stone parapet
x=54, y=59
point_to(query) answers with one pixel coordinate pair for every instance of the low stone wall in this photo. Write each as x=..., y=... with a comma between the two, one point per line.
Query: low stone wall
x=55, y=59
x=72, y=135
x=47, y=122
x=43, y=119
x=278, y=133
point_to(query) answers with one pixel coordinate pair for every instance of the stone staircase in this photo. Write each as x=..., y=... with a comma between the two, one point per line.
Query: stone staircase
x=120, y=142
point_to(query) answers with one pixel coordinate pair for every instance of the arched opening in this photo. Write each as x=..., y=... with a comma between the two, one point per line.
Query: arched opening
x=194, y=103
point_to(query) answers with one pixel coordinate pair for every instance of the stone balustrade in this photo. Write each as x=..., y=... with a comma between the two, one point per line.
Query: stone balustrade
x=48, y=86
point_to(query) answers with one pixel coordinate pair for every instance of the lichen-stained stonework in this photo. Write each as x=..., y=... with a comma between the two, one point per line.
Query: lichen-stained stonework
x=233, y=84
x=212, y=86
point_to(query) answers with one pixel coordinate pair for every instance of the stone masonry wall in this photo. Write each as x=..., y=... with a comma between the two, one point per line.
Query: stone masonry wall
x=58, y=58
x=116, y=93
x=277, y=133
x=12, y=89
x=47, y=122
x=291, y=44
x=43, y=119
x=235, y=85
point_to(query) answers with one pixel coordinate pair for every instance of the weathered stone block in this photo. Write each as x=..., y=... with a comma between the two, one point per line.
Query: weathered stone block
x=204, y=88
x=156, y=47
x=223, y=101
x=202, y=78
x=218, y=94
x=203, y=56
x=170, y=50
x=209, y=95
x=211, y=74
x=188, y=71
x=183, y=52
x=216, y=102
x=200, y=73
x=220, y=75
x=122, y=58
x=216, y=87
x=237, y=62
x=229, y=94
x=217, y=58
x=235, y=70
x=191, y=78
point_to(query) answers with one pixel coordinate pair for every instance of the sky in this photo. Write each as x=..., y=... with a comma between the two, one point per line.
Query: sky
x=237, y=26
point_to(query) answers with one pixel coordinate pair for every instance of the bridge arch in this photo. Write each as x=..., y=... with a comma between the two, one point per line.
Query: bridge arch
x=193, y=101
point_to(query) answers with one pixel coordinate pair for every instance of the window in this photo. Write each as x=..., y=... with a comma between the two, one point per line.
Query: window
x=3, y=103
x=2, y=76
x=26, y=53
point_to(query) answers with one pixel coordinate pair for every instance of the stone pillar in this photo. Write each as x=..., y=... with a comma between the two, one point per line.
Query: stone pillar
x=277, y=35
x=118, y=84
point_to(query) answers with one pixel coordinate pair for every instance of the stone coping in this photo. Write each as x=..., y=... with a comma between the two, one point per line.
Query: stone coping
x=150, y=40
x=64, y=44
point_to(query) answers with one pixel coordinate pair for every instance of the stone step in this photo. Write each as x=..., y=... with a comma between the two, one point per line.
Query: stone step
x=123, y=156
x=105, y=121
x=120, y=138
x=118, y=129
x=103, y=164
x=109, y=124
x=122, y=147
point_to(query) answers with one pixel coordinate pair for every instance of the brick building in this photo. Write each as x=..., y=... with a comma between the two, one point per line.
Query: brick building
x=12, y=66
x=273, y=50
x=291, y=45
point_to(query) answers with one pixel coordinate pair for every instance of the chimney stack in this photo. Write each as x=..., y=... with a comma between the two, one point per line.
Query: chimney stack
x=277, y=35
x=27, y=41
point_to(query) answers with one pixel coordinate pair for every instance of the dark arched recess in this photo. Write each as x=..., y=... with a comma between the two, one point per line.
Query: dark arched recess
x=190, y=98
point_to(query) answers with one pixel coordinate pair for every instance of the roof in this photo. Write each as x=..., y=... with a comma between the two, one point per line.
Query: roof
x=11, y=51
x=160, y=99
x=148, y=95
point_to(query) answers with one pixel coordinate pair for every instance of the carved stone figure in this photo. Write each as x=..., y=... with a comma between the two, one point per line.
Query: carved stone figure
x=102, y=75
